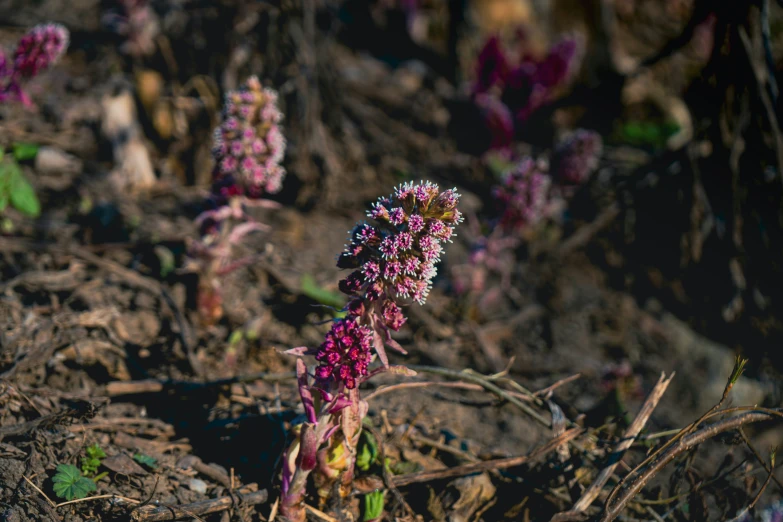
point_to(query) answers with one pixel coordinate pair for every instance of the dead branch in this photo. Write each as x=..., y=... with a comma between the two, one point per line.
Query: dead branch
x=613, y=511
x=478, y=467
x=628, y=438
x=486, y=384
x=195, y=509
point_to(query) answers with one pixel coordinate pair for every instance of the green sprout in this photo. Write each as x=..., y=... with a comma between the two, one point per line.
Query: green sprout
x=373, y=506
x=92, y=461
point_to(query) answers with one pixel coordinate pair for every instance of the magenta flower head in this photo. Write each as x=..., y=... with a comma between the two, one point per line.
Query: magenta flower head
x=42, y=46
x=249, y=144
x=38, y=49
x=576, y=157
x=523, y=194
x=395, y=258
x=345, y=353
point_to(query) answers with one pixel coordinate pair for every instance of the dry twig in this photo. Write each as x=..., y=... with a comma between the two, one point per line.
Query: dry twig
x=477, y=467
x=204, y=507
x=612, y=511
x=628, y=439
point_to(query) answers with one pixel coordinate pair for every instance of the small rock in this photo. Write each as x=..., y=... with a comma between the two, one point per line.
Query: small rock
x=50, y=160
x=198, y=485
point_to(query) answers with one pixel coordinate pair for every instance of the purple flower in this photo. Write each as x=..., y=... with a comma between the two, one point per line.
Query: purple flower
x=523, y=195
x=392, y=315
x=42, y=46
x=421, y=217
x=415, y=223
x=576, y=157
x=397, y=216
x=345, y=352
x=250, y=134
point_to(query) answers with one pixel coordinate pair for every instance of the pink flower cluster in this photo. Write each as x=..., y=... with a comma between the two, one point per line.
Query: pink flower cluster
x=508, y=94
x=136, y=21
x=576, y=157
x=249, y=144
x=523, y=194
x=42, y=46
x=345, y=353
x=396, y=258
x=393, y=260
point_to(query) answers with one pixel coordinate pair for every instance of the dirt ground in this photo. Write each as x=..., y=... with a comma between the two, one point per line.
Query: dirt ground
x=101, y=342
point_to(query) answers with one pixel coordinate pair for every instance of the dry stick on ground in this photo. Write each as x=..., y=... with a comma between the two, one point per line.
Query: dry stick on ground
x=628, y=439
x=421, y=384
x=683, y=444
x=768, y=469
x=544, y=392
x=204, y=507
x=478, y=467
x=763, y=487
x=486, y=384
x=736, y=372
x=100, y=497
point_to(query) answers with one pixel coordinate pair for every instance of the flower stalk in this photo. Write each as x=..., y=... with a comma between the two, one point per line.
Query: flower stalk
x=248, y=148
x=393, y=261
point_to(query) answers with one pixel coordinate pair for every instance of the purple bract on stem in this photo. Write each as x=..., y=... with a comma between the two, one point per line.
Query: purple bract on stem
x=37, y=50
x=249, y=144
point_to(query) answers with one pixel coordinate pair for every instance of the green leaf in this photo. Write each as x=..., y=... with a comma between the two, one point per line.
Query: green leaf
x=167, y=260
x=5, y=173
x=20, y=192
x=95, y=452
x=6, y=226
x=311, y=289
x=236, y=337
x=25, y=151
x=373, y=506
x=368, y=451
x=150, y=462
x=69, y=483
